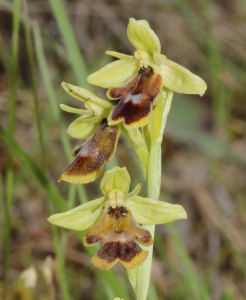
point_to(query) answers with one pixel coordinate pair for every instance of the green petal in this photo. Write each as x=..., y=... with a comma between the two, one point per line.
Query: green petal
x=75, y=110
x=180, y=79
x=134, y=192
x=114, y=74
x=79, y=129
x=81, y=217
x=148, y=211
x=142, y=36
x=84, y=95
x=120, y=55
x=117, y=178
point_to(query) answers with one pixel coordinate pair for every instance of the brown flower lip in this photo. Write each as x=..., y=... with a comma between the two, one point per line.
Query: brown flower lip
x=92, y=155
x=118, y=232
x=136, y=98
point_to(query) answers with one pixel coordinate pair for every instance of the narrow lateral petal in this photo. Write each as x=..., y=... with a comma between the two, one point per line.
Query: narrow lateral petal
x=84, y=95
x=136, y=99
x=114, y=74
x=151, y=212
x=75, y=110
x=115, y=179
x=120, y=55
x=81, y=217
x=118, y=232
x=134, y=192
x=181, y=80
x=142, y=36
x=79, y=129
x=95, y=152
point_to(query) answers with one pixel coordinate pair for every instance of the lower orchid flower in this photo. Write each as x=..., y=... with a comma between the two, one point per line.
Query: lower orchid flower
x=114, y=220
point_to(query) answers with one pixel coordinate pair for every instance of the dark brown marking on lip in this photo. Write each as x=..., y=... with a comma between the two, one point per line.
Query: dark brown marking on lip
x=136, y=97
x=93, y=239
x=94, y=152
x=117, y=212
x=114, y=250
x=119, y=232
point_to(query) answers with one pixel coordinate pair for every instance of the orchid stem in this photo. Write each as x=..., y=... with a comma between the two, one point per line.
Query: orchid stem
x=153, y=177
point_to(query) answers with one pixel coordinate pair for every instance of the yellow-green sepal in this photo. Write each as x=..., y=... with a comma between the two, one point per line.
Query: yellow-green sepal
x=181, y=80
x=142, y=36
x=80, y=129
x=114, y=74
x=151, y=212
x=84, y=95
x=81, y=217
x=115, y=179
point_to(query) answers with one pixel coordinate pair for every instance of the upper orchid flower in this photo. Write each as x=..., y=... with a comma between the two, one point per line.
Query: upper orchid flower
x=112, y=219
x=137, y=80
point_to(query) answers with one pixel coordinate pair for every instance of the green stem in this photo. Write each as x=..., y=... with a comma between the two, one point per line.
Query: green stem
x=156, y=129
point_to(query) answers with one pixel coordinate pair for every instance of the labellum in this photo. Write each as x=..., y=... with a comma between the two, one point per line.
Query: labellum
x=90, y=158
x=118, y=232
x=136, y=99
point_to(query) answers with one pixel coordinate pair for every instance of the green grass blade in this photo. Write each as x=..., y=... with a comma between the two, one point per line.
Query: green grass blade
x=33, y=80
x=11, y=125
x=192, y=279
x=29, y=164
x=4, y=54
x=70, y=41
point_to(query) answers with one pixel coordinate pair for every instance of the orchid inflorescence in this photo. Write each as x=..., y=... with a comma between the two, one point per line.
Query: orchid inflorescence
x=139, y=82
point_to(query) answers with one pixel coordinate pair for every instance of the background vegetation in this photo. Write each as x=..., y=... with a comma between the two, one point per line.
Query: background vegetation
x=43, y=43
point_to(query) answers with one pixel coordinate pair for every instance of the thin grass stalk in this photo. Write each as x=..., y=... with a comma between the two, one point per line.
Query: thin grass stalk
x=221, y=99
x=11, y=125
x=70, y=42
x=33, y=81
x=57, y=199
x=5, y=56
x=195, y=284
